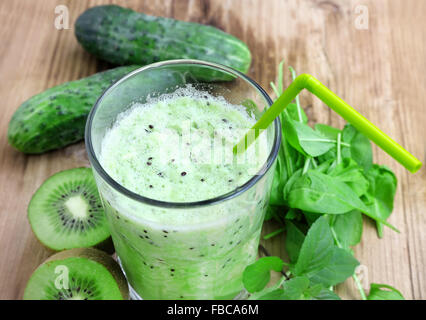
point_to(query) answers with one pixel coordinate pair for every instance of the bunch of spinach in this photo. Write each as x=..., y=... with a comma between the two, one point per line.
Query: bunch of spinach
x=324, y=182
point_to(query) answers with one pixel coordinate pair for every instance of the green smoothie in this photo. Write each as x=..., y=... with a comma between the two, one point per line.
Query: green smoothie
x=178, y=148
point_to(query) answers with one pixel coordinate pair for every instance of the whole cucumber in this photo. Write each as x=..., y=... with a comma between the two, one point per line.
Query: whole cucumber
x=122, y=36
x=57, y=117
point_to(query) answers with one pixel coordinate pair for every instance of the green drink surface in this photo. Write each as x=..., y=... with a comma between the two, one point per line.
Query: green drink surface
x=182, y=141
x=178, y=148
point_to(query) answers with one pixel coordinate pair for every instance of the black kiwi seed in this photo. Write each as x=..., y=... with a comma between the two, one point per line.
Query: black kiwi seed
x=183, y=173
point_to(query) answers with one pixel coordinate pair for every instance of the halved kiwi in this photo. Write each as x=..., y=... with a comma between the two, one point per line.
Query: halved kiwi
x=66, y=212
x=78, y=274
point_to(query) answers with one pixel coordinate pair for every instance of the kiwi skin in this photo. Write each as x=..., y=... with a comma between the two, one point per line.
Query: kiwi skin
x=100, y=257
x=106, y=246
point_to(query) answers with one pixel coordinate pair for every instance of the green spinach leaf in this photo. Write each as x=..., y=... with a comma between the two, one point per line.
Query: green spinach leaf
x=257, y=275
x=289, y=184
x=320, y=193
x=381, y=193
x=293, y=111
x=360, y=147
x=349, y=172
x=304, y=139
x=327, y=131
x=347, y=228
x=293, y=241
x=384, y=292
x=295, y=288
x=321, y=260
x=280, y=178
x=326, y=294
x=340, y=267
x=316, y=250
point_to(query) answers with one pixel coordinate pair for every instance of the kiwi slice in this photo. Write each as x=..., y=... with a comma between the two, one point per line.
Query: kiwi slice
x=78, y=274
x=66, y=212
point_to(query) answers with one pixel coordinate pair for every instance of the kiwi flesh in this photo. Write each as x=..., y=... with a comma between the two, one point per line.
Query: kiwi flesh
x=66, y=212
x=78, y=274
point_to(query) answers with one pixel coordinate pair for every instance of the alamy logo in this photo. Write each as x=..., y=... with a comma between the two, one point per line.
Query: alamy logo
x=62, y=280
x=361, y=20
x=362, y=273
x=62, y=17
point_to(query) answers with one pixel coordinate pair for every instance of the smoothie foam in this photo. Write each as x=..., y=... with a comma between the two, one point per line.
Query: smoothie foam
x=178, y=147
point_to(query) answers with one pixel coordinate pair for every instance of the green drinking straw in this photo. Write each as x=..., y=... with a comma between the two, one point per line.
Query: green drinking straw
x=306, y=81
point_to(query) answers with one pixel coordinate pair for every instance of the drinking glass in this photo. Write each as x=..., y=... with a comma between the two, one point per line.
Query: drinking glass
x=183, y=250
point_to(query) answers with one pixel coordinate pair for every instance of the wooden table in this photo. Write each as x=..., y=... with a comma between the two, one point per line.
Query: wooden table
x=379, y=70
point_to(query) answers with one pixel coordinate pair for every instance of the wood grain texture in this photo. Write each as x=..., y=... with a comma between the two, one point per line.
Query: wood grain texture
x=379, y=71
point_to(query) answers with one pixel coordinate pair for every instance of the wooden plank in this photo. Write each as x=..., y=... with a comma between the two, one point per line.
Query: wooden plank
x=379, y=71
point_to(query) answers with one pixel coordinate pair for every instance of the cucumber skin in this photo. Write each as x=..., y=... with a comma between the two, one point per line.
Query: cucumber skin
x=57, y=117
x=123, y=36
